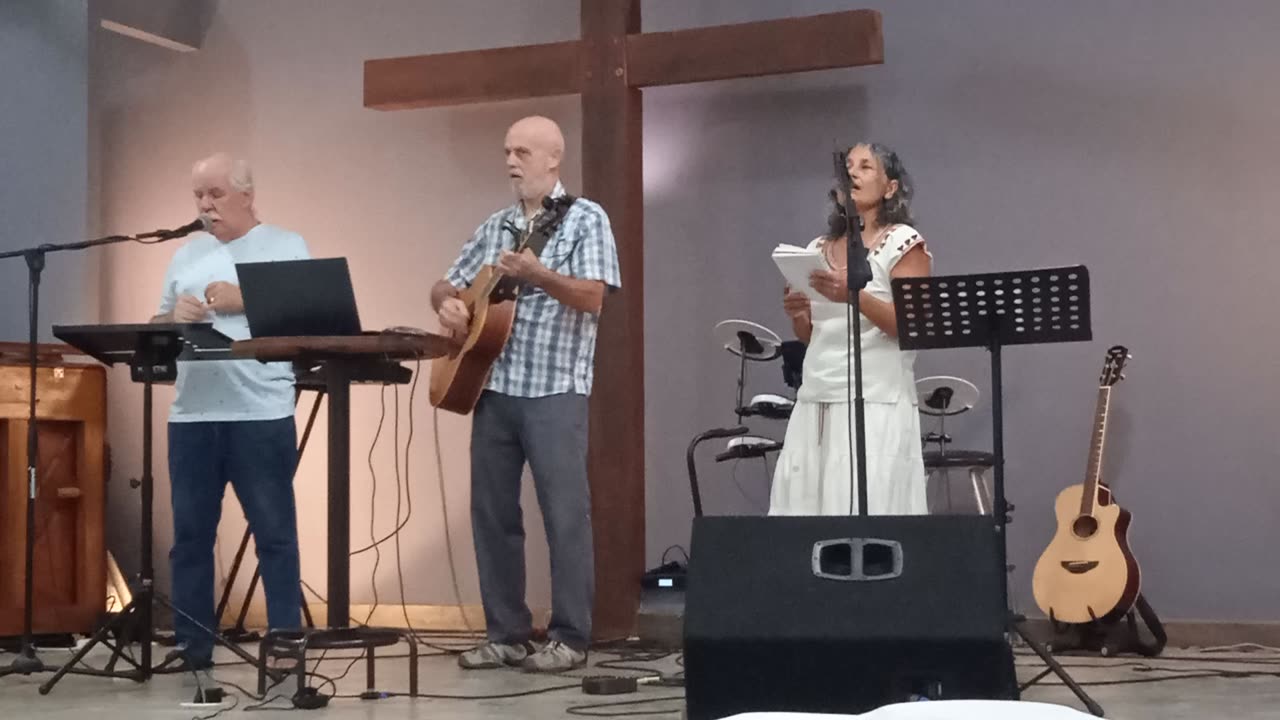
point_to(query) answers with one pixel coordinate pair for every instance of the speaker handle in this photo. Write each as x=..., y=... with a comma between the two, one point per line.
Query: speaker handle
x=858, y=549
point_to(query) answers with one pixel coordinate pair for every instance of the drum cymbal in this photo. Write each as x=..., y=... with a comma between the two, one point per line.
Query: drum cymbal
x=745, y=338
x=942, y=395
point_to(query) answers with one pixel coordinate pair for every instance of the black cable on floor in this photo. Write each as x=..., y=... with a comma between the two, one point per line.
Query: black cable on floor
x=500, y=696
x=595, y=709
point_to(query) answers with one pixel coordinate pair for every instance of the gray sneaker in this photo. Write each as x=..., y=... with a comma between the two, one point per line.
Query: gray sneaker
x=555, y=657
x=492, y=655
x=207, y=688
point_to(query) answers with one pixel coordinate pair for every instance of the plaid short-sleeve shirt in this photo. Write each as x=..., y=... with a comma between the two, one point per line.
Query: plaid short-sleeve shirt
x=552, y=346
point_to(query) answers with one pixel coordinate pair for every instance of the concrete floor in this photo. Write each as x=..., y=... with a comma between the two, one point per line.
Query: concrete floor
x=1173, y=698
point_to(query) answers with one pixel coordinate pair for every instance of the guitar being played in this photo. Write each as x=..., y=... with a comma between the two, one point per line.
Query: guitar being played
x=1087, y=573
x=485, y=312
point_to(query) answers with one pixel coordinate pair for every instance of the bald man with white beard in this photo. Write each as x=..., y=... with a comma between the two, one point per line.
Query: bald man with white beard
x=231, y=420
x=534, y=407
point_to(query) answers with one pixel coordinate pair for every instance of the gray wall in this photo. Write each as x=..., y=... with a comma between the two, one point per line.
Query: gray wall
x=1137, y=138
x=44, y=157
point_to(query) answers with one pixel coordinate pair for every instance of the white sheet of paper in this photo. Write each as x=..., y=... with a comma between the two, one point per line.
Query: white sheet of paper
x=796, y=263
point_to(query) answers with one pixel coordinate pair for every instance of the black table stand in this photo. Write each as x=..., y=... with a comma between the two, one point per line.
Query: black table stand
x=151, y=350
x=337, y=374
x=993, y=310
x=307, y=378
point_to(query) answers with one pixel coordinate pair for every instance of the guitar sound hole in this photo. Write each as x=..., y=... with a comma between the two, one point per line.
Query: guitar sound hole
x=1084, y=526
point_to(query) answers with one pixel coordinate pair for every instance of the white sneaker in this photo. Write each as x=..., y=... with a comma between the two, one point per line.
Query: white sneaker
x=555, y=657
x=493, y=655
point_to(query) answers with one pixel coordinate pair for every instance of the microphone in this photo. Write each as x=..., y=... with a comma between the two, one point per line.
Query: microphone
x=200, y=223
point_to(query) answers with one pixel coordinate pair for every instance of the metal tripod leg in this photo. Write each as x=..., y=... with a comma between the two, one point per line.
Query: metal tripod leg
x=1056, y=668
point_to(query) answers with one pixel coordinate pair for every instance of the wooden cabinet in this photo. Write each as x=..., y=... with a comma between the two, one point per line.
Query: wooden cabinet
x=69, y=551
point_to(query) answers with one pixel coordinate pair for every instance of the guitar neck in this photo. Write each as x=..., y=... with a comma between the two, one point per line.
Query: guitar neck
x=1093, y=477
x=543, y=225
x=521, y=244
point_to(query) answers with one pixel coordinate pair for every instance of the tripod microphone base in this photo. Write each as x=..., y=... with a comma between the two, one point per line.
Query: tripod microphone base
x=1053, y=666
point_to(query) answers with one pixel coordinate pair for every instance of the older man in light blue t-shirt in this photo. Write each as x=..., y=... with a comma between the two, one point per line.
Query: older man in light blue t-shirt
x=232, y=420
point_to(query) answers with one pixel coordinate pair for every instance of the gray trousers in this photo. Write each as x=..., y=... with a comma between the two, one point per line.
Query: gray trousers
x=551, y=434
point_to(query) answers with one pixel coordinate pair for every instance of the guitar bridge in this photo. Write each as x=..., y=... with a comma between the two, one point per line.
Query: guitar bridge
x=506, y=289
x=1079, y=567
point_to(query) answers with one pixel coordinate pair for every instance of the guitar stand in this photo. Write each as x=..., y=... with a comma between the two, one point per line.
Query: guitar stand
x=1114, y=638
x=992, y=311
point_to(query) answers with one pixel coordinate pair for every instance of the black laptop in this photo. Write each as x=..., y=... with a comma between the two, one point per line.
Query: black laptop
x=298, y=297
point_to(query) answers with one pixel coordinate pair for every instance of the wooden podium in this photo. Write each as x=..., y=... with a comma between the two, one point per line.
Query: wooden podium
x=69, y=552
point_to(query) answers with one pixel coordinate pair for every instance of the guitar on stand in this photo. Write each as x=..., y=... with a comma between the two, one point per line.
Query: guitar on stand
x=457, y=379
x=1088, y=577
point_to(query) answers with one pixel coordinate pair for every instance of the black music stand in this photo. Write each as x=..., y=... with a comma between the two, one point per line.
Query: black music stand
x=152, y=351
x=992, y=310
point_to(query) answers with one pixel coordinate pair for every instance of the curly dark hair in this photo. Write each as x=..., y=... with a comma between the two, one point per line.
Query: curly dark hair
x=893, y=210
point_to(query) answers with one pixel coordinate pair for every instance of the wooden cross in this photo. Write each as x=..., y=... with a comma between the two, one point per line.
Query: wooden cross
x=608, y=67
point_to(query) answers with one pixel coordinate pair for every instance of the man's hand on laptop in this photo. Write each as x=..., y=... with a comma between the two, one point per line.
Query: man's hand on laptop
x=224, y=298
x=189, y=309
x=455, y=316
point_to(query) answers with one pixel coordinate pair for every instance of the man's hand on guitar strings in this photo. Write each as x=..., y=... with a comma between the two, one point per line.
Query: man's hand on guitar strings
x=523, y=265
x=455, y=316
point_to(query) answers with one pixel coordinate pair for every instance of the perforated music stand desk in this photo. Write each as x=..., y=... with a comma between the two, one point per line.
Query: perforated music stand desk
x=993, y=310
x=162, y=342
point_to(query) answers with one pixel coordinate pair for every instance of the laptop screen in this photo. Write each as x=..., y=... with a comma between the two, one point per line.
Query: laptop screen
x=293, y=298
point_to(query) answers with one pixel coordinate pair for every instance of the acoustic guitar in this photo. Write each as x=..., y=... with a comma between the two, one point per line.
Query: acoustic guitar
x=457, y=379
x=1087, y=573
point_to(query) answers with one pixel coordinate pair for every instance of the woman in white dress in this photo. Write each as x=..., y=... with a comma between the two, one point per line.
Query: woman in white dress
x=813, y=475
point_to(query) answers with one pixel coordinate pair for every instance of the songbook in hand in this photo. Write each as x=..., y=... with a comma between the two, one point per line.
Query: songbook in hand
x=796, y=263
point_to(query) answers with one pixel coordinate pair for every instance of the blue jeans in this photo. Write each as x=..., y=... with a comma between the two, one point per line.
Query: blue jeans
x=258, y=458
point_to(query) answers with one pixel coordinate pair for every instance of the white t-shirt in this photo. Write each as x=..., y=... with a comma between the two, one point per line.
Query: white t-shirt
x=229, y=390
x=888, y=374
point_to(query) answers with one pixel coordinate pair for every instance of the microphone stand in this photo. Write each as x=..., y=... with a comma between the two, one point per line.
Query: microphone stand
x=858, y=274
x=27, y=662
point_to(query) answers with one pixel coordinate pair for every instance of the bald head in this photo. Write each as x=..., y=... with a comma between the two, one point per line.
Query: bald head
x=534, y=147
x=538, y=131
x=223, y=189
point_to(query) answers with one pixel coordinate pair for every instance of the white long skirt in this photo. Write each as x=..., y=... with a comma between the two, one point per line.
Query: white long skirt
x=815, y=464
